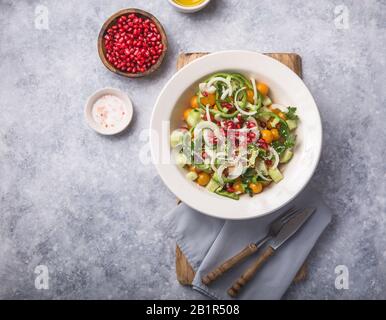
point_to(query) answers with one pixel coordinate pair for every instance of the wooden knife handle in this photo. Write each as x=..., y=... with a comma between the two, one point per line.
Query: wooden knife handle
x=250, y=272
x=220, y=270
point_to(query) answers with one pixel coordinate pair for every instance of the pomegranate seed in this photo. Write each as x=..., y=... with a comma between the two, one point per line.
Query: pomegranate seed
x=268, y=162
x=230, y=189
x=205, y=94
x=133, y=44
x=262, y=143
x=250, y=124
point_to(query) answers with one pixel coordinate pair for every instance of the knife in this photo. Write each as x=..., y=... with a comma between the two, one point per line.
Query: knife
x=287, y=231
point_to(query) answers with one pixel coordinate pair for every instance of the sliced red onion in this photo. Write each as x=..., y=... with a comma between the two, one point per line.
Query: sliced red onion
x=276, y=156
x=238, y=107
x=221, y=79
x=224, y=94
x=254, y=90
x=207, y=112
x=219, y=173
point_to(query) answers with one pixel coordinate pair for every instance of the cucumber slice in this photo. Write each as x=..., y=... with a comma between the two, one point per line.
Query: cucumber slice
x=292, y=124
x=286, y=156
x=191, y=176
x=265, y=183
x=267, y=101
x=194, y=117
x=213, y=185
x=275, y=174
x=176, y=138
x=181, y=160
x=262, y=116
x=227, y=194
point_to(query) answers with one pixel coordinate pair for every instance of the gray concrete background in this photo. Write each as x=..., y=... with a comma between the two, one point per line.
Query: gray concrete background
x=84, y=205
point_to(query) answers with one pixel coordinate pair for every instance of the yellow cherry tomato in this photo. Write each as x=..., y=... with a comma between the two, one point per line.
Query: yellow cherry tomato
x=194, y=102
x=203, y=179
x=262, y=88
x=238, y=187
x=275, y=134
x=267, y=135
x=250, y=96
x=210, y=99
x=256, y=187
x=186, y=113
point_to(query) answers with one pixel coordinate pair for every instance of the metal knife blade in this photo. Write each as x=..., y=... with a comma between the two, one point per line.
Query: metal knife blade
x=290, y=228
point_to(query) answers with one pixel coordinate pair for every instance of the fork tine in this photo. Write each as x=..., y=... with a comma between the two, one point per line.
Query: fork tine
x=283, y=218
x=289, y=214
x=289, y=211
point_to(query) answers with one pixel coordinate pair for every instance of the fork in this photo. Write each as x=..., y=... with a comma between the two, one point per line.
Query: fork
x=251, y=248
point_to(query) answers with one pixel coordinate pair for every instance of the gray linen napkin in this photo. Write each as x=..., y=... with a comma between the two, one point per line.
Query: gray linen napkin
x=207, y=241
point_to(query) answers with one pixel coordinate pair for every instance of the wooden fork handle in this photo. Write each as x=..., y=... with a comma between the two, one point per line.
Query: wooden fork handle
x=250, y=272
x=228, y=264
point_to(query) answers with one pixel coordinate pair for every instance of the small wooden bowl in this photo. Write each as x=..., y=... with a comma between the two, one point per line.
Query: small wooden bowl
x=112, y=21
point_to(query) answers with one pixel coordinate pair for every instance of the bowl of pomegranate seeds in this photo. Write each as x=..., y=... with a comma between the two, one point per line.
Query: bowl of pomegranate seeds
x=132, y=43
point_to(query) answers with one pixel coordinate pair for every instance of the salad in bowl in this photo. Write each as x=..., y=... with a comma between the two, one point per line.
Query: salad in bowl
x=233, y=139
x=219, y=125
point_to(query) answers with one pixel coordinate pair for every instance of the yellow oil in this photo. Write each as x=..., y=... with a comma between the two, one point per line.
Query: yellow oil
x=188, y=3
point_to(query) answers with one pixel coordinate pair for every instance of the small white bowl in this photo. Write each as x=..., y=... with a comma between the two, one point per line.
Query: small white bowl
x=189, y=9
x=122, y=125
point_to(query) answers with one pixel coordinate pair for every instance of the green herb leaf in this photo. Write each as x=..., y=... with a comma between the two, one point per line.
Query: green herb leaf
x=290, y=141
x=291, y=113
x=279, y=147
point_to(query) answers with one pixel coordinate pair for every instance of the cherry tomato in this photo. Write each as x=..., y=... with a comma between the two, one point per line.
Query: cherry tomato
x=209, y=99
x=203, y=179
x=275, y=134
x=194, y=102
x=267, y=135
x=186, y=113
x=262, y=88
x=256, y=187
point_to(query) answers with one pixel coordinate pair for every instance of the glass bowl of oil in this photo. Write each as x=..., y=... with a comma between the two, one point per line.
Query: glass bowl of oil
x=189, y=6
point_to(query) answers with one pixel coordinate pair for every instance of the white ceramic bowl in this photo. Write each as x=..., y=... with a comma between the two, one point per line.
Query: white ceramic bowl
x=285, y=88
x=122, y=125
x=189, y=9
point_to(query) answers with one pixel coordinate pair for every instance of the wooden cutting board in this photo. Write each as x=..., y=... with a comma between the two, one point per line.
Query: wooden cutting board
x=184, y=270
